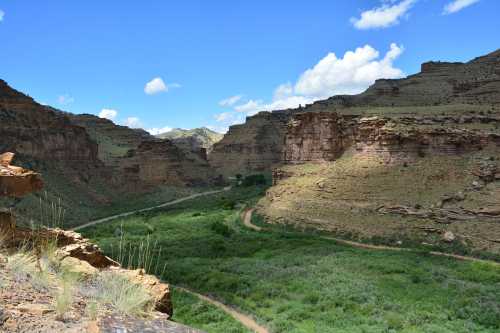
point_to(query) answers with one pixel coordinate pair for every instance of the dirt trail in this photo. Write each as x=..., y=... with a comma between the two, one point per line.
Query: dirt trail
x=170, y=203
x=247, y=221
x=245, y=320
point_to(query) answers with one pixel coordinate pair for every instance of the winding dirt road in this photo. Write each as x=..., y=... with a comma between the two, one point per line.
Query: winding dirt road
x=247, y=221
x=166, y=204
x=245, y=320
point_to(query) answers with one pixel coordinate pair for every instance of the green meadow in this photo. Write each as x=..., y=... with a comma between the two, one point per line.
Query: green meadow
x=292, y=281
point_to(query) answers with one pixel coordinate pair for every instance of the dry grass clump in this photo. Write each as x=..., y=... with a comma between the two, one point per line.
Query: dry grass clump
x=124, y=295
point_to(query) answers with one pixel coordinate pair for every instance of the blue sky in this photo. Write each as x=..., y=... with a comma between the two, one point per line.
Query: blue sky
x=160, y=64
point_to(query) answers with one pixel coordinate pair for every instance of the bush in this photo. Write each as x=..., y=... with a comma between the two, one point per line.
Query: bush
x=228, y=204
x=221, y=229
x=252, y=180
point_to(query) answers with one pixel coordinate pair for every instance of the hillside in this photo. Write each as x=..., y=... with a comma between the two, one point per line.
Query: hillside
x=90, y=163
x=257, y=145
x=413, y=164
x=193, y=139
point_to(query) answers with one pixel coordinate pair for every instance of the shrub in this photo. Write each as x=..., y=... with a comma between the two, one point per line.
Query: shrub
x=221, y=229
x=22, y=265
x=258, y=179
x=63, y=300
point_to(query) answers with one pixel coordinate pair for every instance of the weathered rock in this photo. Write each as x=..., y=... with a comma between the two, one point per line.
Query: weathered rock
x=35, y=309
x=16, y=181
x=79, y=267
x=256, y=146
x=160, y=291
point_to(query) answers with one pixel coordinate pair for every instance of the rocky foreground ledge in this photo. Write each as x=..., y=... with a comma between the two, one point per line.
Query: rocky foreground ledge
x=34, y=296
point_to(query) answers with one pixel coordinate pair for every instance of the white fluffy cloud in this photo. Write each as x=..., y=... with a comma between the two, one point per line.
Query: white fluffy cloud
x=133, y=122
x=2, y=14
x=65, y=99
x=157, y=85
x=388, y=14
x=230, y=101
x=156, y=131
x=457, y=5
x=108, y=114
x=350, y=74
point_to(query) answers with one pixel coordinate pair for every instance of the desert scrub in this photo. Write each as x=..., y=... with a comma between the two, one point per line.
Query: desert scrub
x=125, y=296
x=22, y=265
x=63, y=299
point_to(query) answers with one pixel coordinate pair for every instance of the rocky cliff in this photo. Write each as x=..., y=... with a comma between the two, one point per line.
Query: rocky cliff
x=255, y=146
x=324, y=136
x=448, y=87
x=430, y=178
x=140, y=161
x=90, y=162
x=36, y=132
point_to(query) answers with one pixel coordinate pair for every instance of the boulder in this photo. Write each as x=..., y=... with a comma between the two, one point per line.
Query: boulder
x=80, y=267
x=16, y=181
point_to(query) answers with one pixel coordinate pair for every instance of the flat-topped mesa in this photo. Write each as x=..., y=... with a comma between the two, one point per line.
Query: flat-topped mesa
x=16, y=181
x=434, y=66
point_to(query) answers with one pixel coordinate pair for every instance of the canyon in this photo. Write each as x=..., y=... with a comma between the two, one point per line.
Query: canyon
x=440, y=87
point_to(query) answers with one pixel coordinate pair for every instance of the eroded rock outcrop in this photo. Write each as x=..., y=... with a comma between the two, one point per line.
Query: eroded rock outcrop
x=141, y=161
x=255, y=146
x=69, y=243
x=323, y=136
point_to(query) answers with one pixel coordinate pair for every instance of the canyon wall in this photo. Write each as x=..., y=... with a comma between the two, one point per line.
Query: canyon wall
x=257, y=145
x=324, y=136
x=37, y=133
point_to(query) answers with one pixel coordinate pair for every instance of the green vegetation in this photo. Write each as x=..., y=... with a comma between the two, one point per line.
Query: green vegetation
x=298, y=282
x=192, y=311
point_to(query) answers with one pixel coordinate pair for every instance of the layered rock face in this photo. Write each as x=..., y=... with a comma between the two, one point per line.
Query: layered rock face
x=140, y=161
x=255, y=146
x=324, y=136
x=475, y=83
x=160, y=162
x=37, y=132
x=318, y=136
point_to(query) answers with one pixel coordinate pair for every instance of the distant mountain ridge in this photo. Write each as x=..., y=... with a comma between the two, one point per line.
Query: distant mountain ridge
x=193, y=139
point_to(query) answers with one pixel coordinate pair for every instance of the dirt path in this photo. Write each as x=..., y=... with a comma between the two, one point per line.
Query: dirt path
x=245, y=320
x=246, y=216
x=247, y=221
x=170, y=203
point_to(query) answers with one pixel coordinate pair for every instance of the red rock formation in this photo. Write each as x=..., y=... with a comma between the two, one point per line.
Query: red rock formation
x=16, y=181
x=323, y=136
x=30, y=129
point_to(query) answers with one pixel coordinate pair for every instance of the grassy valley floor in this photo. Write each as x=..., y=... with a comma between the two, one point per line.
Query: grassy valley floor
x=298, y=282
